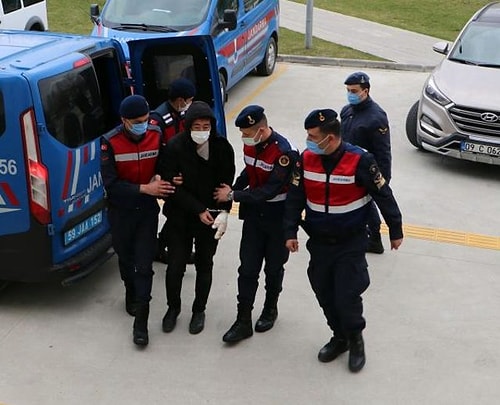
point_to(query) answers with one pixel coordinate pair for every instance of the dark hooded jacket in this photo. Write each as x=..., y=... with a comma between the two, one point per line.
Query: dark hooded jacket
x=200, y=176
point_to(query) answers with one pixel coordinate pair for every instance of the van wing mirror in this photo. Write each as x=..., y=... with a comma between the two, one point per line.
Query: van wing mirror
x=229, y=21
x=94, y=13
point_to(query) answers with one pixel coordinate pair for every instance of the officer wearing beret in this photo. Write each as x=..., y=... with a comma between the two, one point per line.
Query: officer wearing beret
x=129, y=157
x=335, y=183
x=364, y=123
x=261, y=191
x=170, y=117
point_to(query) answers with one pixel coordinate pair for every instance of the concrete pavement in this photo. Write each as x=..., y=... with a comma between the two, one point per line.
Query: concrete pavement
x=394, y=44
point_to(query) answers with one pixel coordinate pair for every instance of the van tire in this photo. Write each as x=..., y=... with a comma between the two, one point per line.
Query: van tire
x=266, y=67
x=223, y=87
x=411, y=126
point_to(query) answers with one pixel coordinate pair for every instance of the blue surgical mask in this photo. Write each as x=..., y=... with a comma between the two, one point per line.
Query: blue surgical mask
x=314, y=147
x=138, y=129
x=353, y=98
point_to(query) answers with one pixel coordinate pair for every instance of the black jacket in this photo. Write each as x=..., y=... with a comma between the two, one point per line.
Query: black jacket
x=200, y=176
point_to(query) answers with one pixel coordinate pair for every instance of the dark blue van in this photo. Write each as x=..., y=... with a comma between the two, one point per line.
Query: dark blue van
x=245, y=32
x=58, y=94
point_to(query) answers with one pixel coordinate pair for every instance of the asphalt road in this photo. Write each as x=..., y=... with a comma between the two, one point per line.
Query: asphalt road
x=432, y=321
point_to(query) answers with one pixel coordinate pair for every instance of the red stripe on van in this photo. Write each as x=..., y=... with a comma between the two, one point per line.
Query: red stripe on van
x=10, y=195
x=67, y=179
x=86, y=154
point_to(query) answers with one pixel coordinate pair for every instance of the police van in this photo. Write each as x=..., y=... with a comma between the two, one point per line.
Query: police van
x=28, y=15
x=245, y=32
x=58, y=94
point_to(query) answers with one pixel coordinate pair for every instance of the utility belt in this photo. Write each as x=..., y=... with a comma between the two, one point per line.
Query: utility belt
x=328, y=239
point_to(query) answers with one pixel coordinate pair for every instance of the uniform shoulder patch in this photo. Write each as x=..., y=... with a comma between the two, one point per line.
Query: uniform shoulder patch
x=373, y=169
x=284, y=161
x=383, y=131
x=104, y=147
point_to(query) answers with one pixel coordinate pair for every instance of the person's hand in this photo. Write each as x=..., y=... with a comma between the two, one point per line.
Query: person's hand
x=220, y=224
x=292, y=245
x=178, y=180
x=157, y=187
x=220, y=193
x=396, y=243
x=206, y=218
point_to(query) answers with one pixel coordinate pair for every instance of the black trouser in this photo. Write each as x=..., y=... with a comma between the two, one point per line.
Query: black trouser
x=261, y=240
x=162, y=238
x=180, y=235
x=338, y=274
x=134, y=241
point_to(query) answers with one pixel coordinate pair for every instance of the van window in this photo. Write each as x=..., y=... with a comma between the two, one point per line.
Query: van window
x=11, y=5
x=249, y=4
x=31, y=2
x=72, y=106
x=176, y=14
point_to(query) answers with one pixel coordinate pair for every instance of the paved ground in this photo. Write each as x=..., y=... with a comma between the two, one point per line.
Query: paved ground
x=432, y=307
x=394, y=44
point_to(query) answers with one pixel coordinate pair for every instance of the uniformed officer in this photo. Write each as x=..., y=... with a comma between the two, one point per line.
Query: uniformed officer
x=364, y=123
x=261, y=191
x=205, y=160
x=129, y=156
x=170, y=117
x=335, y=183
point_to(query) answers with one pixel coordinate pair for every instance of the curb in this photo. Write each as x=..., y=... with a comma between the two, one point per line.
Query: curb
x=361, y=63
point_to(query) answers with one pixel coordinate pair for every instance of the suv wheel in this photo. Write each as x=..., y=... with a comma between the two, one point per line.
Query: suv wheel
x=411, y=126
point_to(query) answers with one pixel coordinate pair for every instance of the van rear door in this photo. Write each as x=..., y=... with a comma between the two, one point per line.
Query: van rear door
x=155, y=63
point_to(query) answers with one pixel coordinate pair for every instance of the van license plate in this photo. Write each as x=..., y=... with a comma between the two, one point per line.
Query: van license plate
x=480, y=148
x=82, y=228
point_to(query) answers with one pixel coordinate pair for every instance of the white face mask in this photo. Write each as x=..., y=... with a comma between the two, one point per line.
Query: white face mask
x=251, y=141
x=200, y=137
x=184, y=108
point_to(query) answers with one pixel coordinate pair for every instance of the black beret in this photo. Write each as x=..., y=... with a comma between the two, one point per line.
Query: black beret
x=134, y=106
x=249, y=116
x=181, y=88
x=357, y=78
x=318, y=118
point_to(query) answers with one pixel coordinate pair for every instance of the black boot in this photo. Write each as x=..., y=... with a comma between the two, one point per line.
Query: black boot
x=170, y=319
x=242, y=328
x=197, y=323
x=141, y=337
x=375, y=244
x=268, y=315
x=357, y=357
x=130, y=302
x=333, y=349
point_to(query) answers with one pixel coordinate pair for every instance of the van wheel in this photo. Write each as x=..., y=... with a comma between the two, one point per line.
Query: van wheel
x=411, y=126
x=222, y=85
x=266, y=67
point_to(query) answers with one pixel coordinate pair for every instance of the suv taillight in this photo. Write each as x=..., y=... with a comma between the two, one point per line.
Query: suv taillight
x=38, y=176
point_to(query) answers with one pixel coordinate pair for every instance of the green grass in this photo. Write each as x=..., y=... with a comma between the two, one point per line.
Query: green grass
x=71, y=15
x=438, y=18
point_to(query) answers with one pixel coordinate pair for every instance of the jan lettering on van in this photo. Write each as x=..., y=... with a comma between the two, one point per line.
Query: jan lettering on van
x=95, y=181
x=261, y=25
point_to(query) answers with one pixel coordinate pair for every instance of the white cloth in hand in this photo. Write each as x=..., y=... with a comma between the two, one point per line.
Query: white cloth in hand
x=220, y=223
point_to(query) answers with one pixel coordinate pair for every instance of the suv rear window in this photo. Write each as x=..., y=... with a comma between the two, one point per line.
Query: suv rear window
x=72, y=106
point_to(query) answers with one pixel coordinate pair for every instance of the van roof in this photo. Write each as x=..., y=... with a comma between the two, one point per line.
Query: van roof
x=28, y=49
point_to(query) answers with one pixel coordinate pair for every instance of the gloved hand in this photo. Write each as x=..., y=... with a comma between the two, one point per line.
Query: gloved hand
x=220, y=223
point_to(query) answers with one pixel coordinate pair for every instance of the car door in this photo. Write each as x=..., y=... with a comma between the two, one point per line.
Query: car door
x=155, y=63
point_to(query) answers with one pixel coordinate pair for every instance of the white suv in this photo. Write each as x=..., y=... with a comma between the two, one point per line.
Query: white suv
x=458, y=114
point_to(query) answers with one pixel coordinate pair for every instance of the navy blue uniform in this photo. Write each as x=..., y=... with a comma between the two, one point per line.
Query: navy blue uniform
x=366, y=125
x=261, y=191
x=338, y=271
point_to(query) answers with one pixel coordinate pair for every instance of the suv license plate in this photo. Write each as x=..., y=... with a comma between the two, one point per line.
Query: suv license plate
x=82, y=228
x=471, y=147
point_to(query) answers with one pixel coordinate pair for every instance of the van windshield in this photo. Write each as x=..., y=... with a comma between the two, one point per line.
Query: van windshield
x=146, y=15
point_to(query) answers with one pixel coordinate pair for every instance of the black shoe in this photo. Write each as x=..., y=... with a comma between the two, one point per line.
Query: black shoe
x=170, y=319
x=197, y=323
x=241, y=329
x=191, y=258
x=161, y=256
x=141, y=337
x=266, y=319
x=375, y=244
x=333, y=349
x=357, y=358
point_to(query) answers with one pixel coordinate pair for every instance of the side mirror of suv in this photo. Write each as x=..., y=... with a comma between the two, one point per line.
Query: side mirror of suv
x=441, y=47
x=94, y=13
x=229, y=21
